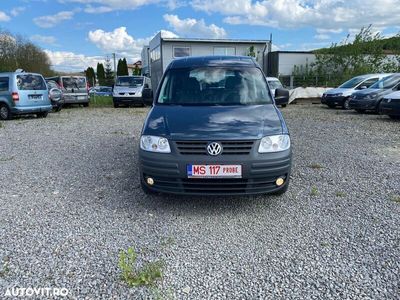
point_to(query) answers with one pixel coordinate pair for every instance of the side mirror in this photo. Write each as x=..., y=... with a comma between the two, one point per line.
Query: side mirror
x=55, y=94
x=281, y=97
x=147, y=95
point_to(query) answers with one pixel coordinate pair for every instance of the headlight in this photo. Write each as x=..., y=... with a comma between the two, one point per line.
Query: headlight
x=139, y=94
x=274, y=143
x=154, y=144
x=371, y=96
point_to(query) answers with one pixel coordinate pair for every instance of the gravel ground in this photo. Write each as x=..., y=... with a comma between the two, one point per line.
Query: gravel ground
x=70, y=200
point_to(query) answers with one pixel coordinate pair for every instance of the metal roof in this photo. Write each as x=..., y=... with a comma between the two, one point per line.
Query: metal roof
x=203, y=61
x=218, y=41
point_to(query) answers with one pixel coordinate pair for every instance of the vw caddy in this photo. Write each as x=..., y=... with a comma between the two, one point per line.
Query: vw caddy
x=214, y=128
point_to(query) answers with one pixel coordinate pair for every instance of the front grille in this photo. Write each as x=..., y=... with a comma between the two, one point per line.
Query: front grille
x=214, y=186
x=200, y=147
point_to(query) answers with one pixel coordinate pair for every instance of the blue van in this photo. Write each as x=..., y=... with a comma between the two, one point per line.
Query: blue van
x=23, y=93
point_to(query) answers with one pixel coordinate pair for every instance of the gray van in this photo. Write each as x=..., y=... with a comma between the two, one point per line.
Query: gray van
x=74, y=88
x=23, y=93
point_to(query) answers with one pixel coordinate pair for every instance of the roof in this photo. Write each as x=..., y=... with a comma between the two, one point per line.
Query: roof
x=203, y=61
x=293, y=52
x=219, y=41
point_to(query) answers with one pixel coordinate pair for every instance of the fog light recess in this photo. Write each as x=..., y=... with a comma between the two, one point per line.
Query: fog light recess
x=150, y=181
x=280, y=181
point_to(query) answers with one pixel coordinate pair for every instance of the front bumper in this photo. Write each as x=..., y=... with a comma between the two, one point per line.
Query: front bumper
x=22, y=110
x=390, y=108
x=72, y=99
x=128, y=100
x=336, y=100
x=259, y=173
x=363, y=104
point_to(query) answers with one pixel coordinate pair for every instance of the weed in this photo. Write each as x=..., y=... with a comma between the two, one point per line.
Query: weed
x=316, y=166
x=1, y=124
x=340, y=194
x=99, y=101
x=6, y=158
x=147, y=275
x=395, y=198
x=5, y=270
x=314, y=191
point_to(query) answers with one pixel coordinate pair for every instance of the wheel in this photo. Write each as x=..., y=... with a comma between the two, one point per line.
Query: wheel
x=283, y=105
x=331, y=105
x=85, y=104
x=145, y=189
x=346, y=102
x=360, y=110
x=58, y=108
x=394, y=117
x=116, y=105
x=5, y=112
x=42, y=114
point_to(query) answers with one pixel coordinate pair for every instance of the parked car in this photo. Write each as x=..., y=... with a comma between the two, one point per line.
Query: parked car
x=341, y=96
x=128, y=90
x=370, y=99
x=55, y=95
x=274, y=83
x=214, y=129
x=23, y=93
x=101, y=91
x=390, y=105
x=74, y=88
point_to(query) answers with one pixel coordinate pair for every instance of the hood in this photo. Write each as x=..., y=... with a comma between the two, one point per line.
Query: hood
x=214, y=122
x=378, y=92
x=126, y=89
x=345, y=92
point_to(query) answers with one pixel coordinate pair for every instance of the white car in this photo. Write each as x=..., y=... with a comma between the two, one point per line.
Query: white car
x=128, y=90
x=274, y=84
x=390, y=105
x=341, y=96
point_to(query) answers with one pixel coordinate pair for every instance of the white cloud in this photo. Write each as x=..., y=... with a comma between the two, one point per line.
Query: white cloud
x=17, y=10
x=322, y=36
x=194, y=28
x=53, y=20
x=44, y=39
x=121, y=42
x=324, y=14
x=72, y=62
x=102, y=6
x=4, y=17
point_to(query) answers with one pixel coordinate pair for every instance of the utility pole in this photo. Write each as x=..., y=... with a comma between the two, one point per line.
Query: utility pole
x=115, y=66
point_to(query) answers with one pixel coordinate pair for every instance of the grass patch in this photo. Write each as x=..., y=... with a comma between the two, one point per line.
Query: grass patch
x=314, y=191
x=340, y=194
x=6, y=158
x=1, y=124
x=316, y=166
x=395, y=198
x=146, y=275
x=5, y=269
x=101, y=101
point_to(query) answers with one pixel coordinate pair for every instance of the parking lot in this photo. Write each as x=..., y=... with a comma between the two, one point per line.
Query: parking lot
x=71, y=200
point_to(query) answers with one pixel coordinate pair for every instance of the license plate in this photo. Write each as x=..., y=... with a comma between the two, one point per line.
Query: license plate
x=214, y=171
x=35, y=97
x=81, y=98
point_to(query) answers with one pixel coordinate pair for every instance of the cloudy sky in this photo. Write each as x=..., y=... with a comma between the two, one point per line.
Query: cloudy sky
x=78, y=33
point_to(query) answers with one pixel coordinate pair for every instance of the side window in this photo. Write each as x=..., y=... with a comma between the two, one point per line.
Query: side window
x=4, y=85
x=369, y=82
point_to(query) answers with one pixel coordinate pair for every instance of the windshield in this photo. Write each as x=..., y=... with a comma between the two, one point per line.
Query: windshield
x=275, y=84
x=129, y=81
x=214, y=86
x=387, y=82
x=105, y=89
x=74, y=82
x=30, y=82
x=352, y=83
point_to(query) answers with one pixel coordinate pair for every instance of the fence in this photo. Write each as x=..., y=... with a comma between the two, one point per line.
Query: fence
x=294, y=81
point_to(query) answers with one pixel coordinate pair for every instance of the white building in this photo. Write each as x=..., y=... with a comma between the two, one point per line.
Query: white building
x=163, y=50
x=282, y=63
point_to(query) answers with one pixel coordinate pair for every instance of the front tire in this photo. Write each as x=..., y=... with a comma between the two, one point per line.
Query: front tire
x=360, y=111
x=85, y=104
x=346, y=104
x=5, y=112
x=331, y=105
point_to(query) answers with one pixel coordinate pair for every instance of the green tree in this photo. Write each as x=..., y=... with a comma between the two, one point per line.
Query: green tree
x=124, y=66
x=90, y=76
x=108, y=73
x=100, y=74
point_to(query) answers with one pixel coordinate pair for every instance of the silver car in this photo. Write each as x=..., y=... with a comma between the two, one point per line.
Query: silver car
x=128, y=90
x=74, y=88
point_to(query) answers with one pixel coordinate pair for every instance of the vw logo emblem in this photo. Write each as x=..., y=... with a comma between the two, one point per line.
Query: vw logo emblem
x=214, y=148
